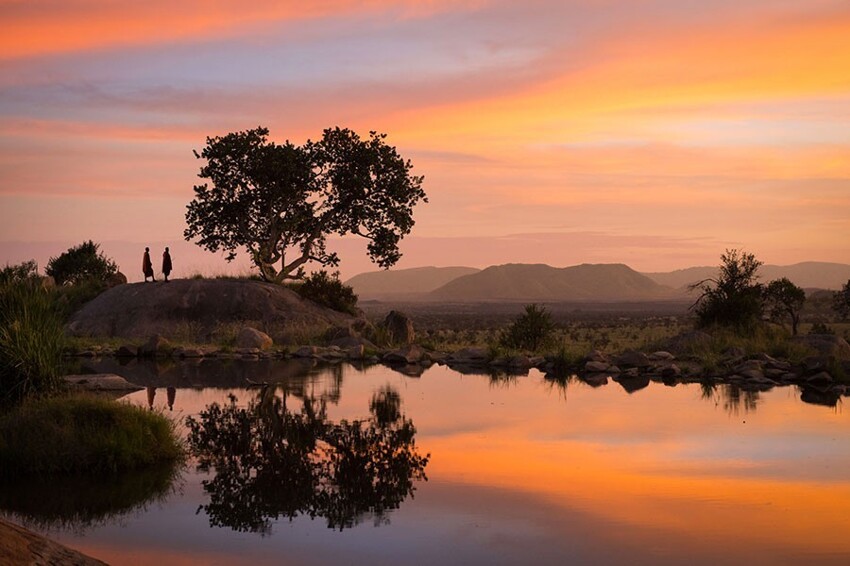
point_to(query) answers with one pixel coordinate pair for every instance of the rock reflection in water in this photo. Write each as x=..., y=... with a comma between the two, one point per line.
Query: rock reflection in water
x=79, y=503
x=270, y=461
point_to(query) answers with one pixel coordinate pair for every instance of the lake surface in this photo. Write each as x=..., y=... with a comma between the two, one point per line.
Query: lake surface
x=519, y=470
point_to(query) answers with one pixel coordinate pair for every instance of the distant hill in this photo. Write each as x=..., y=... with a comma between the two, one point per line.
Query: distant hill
x=809, y=274
x=540, y=282
x=404, y=282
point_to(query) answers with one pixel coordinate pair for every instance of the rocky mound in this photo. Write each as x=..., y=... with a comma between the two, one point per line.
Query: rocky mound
x=198, y=308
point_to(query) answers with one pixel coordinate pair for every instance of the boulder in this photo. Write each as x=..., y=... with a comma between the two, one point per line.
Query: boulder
x=670, y=371
x=469, y=356
x=155, y=346
x=411, y=354
x=748, y=365
x=252, y=338
x=595, y=367
x=126, y=351
x=632, y=359
x=399, y=328
x=596, y=379
x=820, y=377
x=357, y=352
x=306, y=352
x=754, y=374
x=596, y=356
x=352, y=342
x=827, y=345
x=116, y=279
x=100, y=382
x=661, y=356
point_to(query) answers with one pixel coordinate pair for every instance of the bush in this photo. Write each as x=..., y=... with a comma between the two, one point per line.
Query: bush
x=70, y=435
x=734, y=298
x=80, y=263
x=31, y=340
x=841, y=301
x=531, y=331
x=26, y=271
x=327, y=290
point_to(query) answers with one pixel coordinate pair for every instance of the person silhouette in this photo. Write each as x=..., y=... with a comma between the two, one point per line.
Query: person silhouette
x=147, y=266
x=151, y=391
x=171, y=393
x=166, y=264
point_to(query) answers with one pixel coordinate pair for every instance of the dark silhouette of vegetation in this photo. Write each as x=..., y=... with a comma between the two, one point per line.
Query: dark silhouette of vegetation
x=31, y=338
x=532, y=330
x=26, y=271
x=77, y=503
x=281, y=201
x=841, y=301
x=734, y=297
x=784, y=301
x=73, y=435
x=81, y=263
x=327, y=290
x=271, y=462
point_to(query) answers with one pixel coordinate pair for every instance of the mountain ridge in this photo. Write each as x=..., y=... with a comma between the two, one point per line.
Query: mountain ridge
x=542, y=282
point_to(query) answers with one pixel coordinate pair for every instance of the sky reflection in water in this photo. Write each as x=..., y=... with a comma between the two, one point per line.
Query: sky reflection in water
x=526, y=471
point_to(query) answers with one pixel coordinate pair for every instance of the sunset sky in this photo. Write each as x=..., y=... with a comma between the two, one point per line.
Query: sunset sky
x=651, y=132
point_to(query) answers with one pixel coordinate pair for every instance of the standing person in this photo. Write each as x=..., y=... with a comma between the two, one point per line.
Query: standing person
x=147, y=266
x=166, y=264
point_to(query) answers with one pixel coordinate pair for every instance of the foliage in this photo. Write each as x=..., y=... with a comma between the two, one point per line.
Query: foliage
x=784, y=300
x=841, y=301
x=79, y=502
x=821, y=328
x=26, y=271
x=279, y=200
x=734, y=298
x=531, y=331
x=327, y=290
x=80, y=263
x=70, y=435
x=31, y=340
x=271, y=462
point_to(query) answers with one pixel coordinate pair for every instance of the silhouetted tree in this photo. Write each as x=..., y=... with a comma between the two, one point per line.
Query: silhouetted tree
x=532, y=330
x=784, y=300
x=734, y=297
x=841, y=301
x=270, y=462
x=280, y=200
x=81, y=263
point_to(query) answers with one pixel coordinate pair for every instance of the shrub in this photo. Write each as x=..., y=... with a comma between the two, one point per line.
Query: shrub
x=31, y=340
x=80, y=263
x=784, y=300
x=26, y=271
x=69, y=435
x=734, y=298
x=532, y=330
x=841, y=301
x=327, y=290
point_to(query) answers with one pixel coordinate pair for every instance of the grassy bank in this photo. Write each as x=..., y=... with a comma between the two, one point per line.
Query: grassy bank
x=75, y=435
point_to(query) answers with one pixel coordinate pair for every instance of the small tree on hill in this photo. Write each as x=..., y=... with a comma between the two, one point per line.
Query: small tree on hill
x=784, y=300
x=81, y=263
x=281, y=201
x=841, y=301
x=734, y=297
x=531, y=331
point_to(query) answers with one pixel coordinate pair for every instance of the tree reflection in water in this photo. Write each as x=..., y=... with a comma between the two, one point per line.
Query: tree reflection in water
x=271, y=462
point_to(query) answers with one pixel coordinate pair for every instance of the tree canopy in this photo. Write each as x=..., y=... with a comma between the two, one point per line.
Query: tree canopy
x=734, y=297
x=784, y=299
x=80, y=263
x=281, y=201
x=841, y=301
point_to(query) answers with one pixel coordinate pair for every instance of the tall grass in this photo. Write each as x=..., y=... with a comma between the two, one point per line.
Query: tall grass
x=74, y=435
x=31, y=340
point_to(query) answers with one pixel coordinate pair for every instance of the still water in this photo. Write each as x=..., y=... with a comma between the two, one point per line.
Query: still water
x=324, y=467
